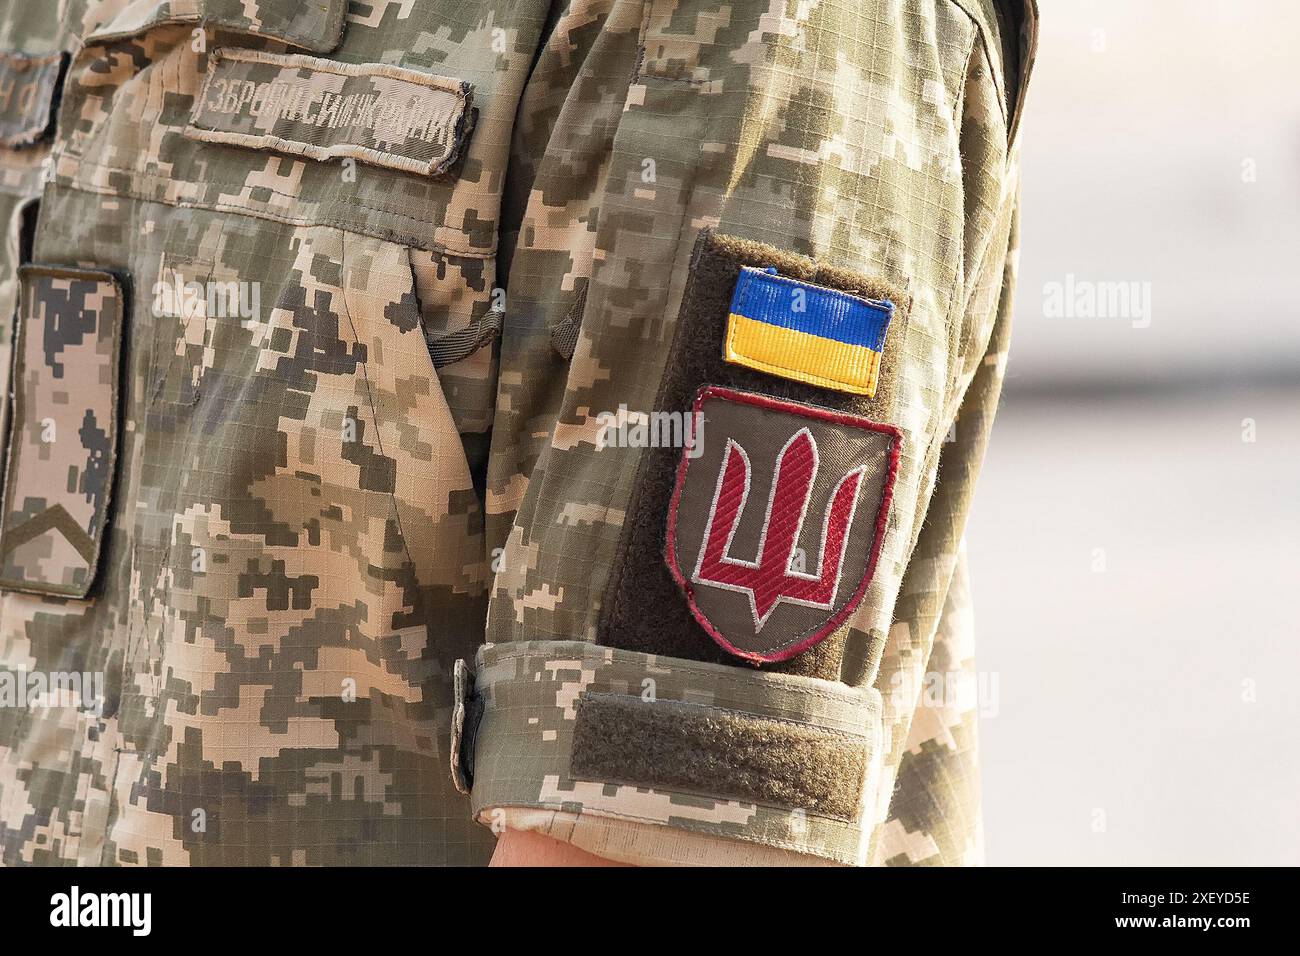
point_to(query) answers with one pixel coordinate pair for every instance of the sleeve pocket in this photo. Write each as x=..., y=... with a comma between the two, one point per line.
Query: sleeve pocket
x=64, y=430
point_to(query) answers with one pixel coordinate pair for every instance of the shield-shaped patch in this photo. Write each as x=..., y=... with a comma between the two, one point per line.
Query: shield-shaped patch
x=776, y=519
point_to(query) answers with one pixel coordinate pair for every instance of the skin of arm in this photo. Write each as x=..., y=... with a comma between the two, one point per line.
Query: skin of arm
x=524, y=848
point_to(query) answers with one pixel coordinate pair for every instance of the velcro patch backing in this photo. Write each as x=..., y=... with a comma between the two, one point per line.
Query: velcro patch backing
x=688, y=747
x=27, y=96
x=375, y=113
x=63, y=447
x=643, y=609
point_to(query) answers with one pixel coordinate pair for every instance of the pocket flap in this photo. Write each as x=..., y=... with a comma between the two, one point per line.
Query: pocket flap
x=28, y=93
x=64, y=431
x=315, y=25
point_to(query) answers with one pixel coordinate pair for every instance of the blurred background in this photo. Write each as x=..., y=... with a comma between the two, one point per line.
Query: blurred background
x=1135, y=541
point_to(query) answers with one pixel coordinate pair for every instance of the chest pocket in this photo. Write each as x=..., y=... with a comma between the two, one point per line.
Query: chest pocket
x=315, y=25
x=392, y=122
x=28, y=90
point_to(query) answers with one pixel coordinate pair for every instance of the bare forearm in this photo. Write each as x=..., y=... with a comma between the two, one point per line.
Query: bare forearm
x=522, y=848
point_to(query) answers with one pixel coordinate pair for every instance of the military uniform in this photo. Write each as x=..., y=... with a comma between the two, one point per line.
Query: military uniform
x=337, y=330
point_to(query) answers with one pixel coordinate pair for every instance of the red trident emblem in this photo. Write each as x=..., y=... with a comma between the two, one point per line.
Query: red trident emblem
x=773, y=577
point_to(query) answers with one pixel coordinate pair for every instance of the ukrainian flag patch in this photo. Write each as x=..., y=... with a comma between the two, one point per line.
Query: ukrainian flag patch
x=806, y=332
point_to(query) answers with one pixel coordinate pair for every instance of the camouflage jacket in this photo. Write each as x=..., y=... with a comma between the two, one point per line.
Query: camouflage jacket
x=388, y=381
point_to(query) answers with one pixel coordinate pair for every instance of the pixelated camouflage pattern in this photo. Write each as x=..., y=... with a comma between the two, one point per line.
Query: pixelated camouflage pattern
x=309, y=513
x=315, y=25
x=880, y=132
x=63, y=449
x=296, y=557
x=31, y=31
x=530, y=692
x=933, y=815
x=27, y=87
x=127, y=138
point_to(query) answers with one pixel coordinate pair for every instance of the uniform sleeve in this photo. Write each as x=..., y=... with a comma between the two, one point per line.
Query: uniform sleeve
x=928, y=809
x=756, y=271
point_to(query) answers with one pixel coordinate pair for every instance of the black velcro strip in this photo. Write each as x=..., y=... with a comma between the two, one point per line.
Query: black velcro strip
x=723, y=753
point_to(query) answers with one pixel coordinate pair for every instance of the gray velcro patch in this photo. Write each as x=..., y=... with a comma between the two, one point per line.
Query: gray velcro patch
x=375, y=113
x=724, y=753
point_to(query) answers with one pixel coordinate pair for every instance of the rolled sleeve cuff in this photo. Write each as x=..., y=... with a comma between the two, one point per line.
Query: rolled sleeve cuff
x=652, y=759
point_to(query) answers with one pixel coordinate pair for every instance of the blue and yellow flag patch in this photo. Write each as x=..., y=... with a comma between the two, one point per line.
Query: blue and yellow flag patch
x=807, y=333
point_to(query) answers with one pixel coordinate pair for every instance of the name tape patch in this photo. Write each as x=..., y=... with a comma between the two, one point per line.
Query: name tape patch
x=805, y=332
x=375, y=113
x=27, y=96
